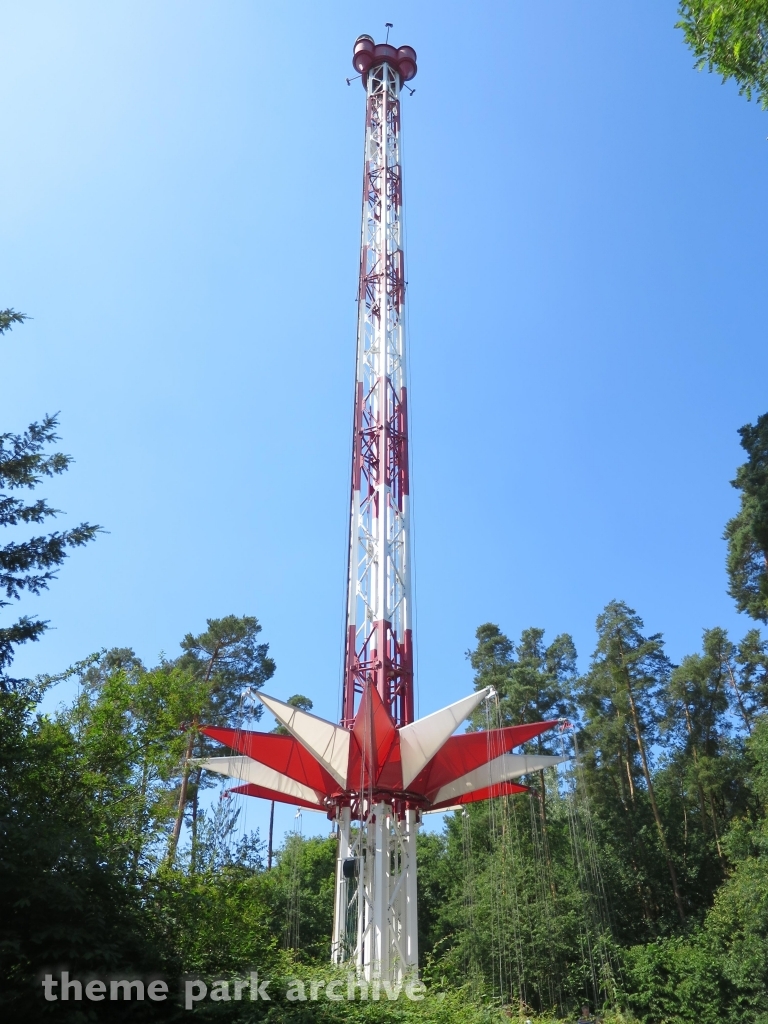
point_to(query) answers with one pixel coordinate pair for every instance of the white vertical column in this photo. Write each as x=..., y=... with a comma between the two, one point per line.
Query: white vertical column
x=339, y=941
x=410, y=940
x=380, y=893
x=397, y=916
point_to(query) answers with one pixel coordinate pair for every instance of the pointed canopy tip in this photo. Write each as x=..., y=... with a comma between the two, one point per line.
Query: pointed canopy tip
x=283, y=753
x=246, y=770
x=422, y=739
x=326, y=742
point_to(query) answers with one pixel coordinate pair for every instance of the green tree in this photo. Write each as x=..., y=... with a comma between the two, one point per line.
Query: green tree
x=533, y=682
x=747, y=532
x=29, y=565
x=737, y=924
x=698, y=702
x=620, y=695
x=752, y=675
x=64, y=898
x=9, y=317
x=730, y=37
x=126, y=721
x=226, y=658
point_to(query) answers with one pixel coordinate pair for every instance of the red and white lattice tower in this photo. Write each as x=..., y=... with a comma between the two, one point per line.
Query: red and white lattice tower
x=379, y=644
x=378, y=771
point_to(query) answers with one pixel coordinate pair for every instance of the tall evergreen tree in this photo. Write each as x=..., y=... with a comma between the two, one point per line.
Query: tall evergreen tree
x=620, y=694
x=752, y=675
x=747, y=532
x=226, y=658
x=697, y=706
x=533, y=682
x=29, y=565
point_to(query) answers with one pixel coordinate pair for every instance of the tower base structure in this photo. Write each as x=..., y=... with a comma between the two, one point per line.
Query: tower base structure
x=375, y=924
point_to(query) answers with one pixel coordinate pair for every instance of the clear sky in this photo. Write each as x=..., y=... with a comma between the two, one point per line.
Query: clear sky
x=586, y=225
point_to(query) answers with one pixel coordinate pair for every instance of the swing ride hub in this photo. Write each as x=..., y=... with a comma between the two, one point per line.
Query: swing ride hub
x=340, y=770
x=378, y=771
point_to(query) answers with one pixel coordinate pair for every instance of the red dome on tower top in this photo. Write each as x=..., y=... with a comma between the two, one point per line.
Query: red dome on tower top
x=367, y=53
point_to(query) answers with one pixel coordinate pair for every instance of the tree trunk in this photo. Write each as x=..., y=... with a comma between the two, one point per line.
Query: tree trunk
x=736, y=690
x=629, y=776
x=714, y=829
x=621, y=777
x=685, y=824
x=271, y=828
x=695, y=763
x=652, y=798
x=142, y=815
x=174, y=842
x=193, y=848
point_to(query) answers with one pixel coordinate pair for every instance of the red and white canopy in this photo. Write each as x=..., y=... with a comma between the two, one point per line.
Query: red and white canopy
x=322, y=765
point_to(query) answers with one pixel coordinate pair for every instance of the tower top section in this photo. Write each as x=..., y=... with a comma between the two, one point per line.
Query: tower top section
x=368, y=54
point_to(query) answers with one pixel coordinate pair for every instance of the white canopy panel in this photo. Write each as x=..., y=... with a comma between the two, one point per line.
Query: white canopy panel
x=421, y=740
x=326, y=742
x=500, y=769
x=245, y=769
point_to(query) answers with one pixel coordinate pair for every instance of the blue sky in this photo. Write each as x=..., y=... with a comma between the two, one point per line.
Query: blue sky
x=586, y=263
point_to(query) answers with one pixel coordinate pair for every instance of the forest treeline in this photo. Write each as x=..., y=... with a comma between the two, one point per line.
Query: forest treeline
x=633, y=876
x=636, y=877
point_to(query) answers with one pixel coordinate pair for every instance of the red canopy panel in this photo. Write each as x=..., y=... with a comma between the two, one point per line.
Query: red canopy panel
x=249, y=789
x=391, y=772
x=373, y=737
x=462, y=754
x=283, y=753
x=500, y=789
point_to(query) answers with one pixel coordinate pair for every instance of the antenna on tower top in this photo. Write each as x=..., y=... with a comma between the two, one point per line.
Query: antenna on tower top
x=388, y=25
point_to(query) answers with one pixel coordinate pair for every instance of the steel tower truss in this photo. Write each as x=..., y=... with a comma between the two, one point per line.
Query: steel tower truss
x=375, y=912
x=379, y=646
x=378, y=771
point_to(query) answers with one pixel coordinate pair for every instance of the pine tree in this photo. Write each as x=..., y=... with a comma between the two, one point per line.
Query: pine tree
x=226, y=658
x=752, y=662
x=29, y=565
x=532, y=680
x=620, y=694
x=747, y=532
x=697, y=697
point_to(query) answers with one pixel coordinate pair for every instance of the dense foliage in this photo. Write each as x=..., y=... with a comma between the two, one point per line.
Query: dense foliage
x=636, y=877
x=28, y=564
x=730, y=37
x=747, y=532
